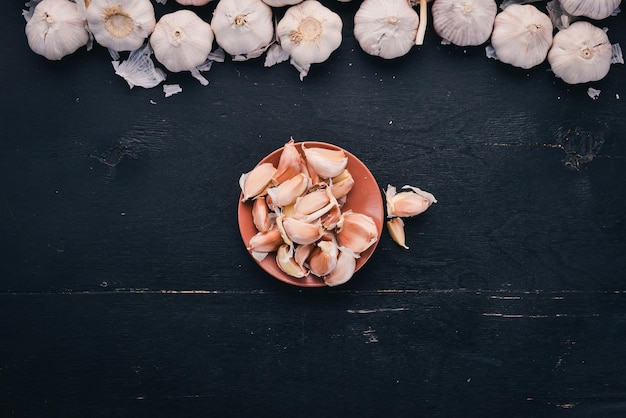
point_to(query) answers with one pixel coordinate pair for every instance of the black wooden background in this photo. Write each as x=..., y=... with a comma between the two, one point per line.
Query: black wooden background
x=125, y=289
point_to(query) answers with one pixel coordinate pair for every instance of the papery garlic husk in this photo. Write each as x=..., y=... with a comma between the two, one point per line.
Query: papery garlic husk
x=395, y=227
x=255, y=182
x=327, y=163
x=193, y=2
x=262, y=218
x=594, y=9
x=357, y=233
x=408, y=203
x=301, y=232
x=286, y=262
x=464, y=22
x=323, y=258
x=121, y=25
x=139, y=69
x=281, y=3
x=309, y=32
x=580, y=53
x=522, y=36
x=243, y=28
x=56, y=29
x=386, y=28
x=343, y=271
x=289, y=163
x=287, y=192
x=263, y=243
x=181, y=40
x=341, y=184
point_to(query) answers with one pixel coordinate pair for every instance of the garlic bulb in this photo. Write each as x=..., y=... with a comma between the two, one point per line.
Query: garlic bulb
x=281, y=3
x=464, y=22
x=121, y=25
x=243, y=28
x=56, y=29
x=309, y=32
x=580, y=53
x=594, y=9
x=193, y=2
x=181, y=40
x=522, y=36
x=386, y=28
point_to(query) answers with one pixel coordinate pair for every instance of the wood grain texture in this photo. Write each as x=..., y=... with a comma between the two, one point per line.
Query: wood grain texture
x=125, y=289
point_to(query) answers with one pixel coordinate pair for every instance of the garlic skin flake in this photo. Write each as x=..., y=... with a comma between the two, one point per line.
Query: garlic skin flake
x=243, y=28
x=464, y=22
x=522, y=36
x=580, y=53
x=121, y=25
x=181, y=40
x=56, y=29
x=386, y=28
x=594, y=9
x=309, y=32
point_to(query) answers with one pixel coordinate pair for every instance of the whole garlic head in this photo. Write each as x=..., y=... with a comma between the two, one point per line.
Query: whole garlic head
x=281, y=3
x=594, y=9
x=386, y=28
x=181, y=41
x=193, y=2
x=243, y=28
x=522, y=36
x=121, y=25
x=56, y=29
x=309, y=32
x=580, y=53
x=464, y=22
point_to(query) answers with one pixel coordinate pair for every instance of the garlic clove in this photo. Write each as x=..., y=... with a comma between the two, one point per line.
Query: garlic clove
x=343, y=271
x=594, y=9
x=332, y=219
x=357, y=233
x=287, y=192
x=327, y=163
x=265, y=242
x=408, y=203
x=395, y=227
x=262, y=218
x=181, y=40
x=121, y=25
x=301, y=232
x=341, y=184
x=302, y=253
x=323, y=258
x=580, y=53
x=56, y=29
x=286, y=262
x=311, y=203
x=255, y=182
x=289, y=164
x=464, y=22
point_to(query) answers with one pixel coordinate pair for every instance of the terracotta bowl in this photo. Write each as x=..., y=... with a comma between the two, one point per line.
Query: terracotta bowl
x=365, y=197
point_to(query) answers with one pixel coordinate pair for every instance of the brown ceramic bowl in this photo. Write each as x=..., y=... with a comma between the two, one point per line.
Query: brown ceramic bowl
x=365, y=197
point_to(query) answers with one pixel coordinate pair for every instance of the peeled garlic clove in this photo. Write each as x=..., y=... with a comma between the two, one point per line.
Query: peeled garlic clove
x=261, y=217
x=464, y=22
x=256, y=181
x=265, y=242
x=181, y=40
x=121, y=25
x=386, y=28
x=289, y=164
x=522, y=36
x=341, y=184
x=343, y=271
x=301, y=232
x=56, y=29
x=243, y=28
x=309, y=32
x=287, y=192
x=357, y=233
x=286, y=262
x=580, y=53
x=327, y=163
x=395, y=227
x=408, y=203
x=323, y=258
x=594, y=9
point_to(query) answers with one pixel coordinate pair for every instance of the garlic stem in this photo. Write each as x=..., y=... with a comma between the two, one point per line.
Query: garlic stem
x=421, y=29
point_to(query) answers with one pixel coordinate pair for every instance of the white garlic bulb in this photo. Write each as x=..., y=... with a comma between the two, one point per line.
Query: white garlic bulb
x=594, y=9
x=121, y=25
x=56, y=29
x=281, y=3
x=309, y=32
x=386, y=28
x=580, y=53
x=193, y=2
x=464, y=22
x=522, y=36
x=243, y=28
x=181, y=40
